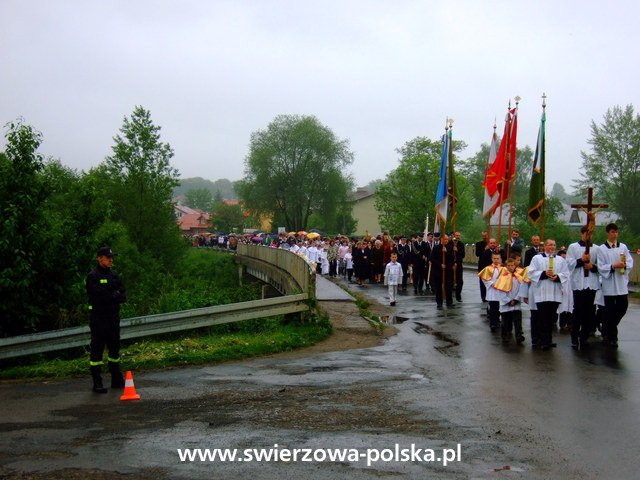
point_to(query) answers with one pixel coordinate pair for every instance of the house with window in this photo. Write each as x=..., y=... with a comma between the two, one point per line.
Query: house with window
x=192, y=221
x=364, y=211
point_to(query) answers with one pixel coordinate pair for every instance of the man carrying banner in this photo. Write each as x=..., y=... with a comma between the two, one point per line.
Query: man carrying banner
x=443, y=263
x=584, y=286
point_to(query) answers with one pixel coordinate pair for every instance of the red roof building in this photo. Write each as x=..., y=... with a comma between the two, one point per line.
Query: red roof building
x=192, y=221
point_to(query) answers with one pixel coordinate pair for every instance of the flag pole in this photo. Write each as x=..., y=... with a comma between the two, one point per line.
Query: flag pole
x=511, y=182
x=501, y=197
x=452, y=192
x=426, y=235
x=486, y=168
x=452, y=181
x=442, y=233
x=544, y=204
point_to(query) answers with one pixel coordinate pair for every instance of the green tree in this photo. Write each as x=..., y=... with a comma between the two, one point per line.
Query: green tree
x=23, y=191
x=227, y=218
x=200, y=198
x=140, y=180
x=295, y=167
x=407, y=195
x=612, y=167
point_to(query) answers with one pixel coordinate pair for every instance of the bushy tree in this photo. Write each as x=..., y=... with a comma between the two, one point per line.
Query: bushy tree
x=22, y=194
x=199, y=198
x=139, y=181
x=49, y=218
x=407, y=195
x=227, y=218
x=295, y=167
x=612, y=167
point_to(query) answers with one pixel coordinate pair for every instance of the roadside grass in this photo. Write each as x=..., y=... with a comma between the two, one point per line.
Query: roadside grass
x=205, y=278
x=213, y=345
x=363, y=308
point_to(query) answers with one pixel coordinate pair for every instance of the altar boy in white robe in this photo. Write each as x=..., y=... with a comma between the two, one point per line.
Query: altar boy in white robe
x=548, y=274
x=584, y=288
x=508, y=285
x=614, y=264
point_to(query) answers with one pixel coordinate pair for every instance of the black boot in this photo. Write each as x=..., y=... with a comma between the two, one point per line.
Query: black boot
x=117, y=380
x=98, y=387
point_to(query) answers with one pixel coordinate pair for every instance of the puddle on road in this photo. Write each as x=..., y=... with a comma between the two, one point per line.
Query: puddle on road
x=394, y=319
x=422, y=328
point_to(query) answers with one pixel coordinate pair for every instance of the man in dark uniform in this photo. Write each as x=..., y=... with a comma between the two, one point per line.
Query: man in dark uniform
x=480, y=248
x=443, y=258
x=404, y=258
x=106, y=293
x=458, y=250
x=534, y=250
x=420, y=263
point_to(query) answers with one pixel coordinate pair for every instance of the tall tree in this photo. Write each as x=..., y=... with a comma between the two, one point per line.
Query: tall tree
x=227, y=218
x=295, y=166
x=23, y=192
x=200, y=198
x=407, y=195
x=141, y=181
x=612, y=167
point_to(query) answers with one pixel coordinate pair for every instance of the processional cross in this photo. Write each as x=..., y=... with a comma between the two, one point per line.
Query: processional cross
x=591, y=219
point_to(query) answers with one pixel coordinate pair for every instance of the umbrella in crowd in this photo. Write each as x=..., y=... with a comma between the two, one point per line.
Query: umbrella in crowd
x=302, y=232
x=313, y=235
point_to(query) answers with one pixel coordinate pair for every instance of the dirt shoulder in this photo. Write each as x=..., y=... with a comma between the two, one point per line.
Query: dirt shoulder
x=350, y=330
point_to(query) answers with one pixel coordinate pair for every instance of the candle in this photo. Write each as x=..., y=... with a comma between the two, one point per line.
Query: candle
x=623, y=259
x=550, y=262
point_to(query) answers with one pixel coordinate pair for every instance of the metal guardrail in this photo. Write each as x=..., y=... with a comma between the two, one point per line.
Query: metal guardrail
x=154, y=324
x=290, y=273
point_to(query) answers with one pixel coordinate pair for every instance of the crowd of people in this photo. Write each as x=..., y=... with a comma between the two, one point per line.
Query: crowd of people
x=581, y=290
x=399, y=262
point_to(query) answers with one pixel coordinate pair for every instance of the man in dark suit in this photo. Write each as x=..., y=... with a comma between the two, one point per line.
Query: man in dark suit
x=534, y=250
x=443, y=261
x=515, y=244
x=458, y=251
x=420, y=256
x=404, y=259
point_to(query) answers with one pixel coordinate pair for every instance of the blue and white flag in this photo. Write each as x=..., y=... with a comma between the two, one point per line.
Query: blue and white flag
x=442, y=193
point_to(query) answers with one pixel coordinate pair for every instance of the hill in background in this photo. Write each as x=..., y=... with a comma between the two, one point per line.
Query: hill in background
x=224, y=186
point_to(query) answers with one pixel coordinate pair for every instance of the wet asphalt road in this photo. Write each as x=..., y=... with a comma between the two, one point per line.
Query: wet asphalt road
x=443, y=379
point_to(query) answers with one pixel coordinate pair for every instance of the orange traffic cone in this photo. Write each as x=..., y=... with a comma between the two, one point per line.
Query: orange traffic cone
x=129, y=389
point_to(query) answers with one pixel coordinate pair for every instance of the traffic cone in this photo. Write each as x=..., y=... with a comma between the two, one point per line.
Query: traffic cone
x=129, y=389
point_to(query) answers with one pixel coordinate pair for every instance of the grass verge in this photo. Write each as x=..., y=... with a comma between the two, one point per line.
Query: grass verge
x=217, y=344
x=363, y=309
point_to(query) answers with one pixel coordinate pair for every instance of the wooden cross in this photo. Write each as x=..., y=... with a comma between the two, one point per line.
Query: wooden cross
x=589, y=206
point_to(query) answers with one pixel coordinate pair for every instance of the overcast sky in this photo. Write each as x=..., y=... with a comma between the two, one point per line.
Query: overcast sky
x=376, y=73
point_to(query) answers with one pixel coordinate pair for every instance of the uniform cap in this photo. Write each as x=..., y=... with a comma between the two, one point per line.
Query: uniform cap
x=105, y=252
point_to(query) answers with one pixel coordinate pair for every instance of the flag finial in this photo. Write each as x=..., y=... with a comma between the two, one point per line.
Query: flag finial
x=517, y=99
x=544, y=100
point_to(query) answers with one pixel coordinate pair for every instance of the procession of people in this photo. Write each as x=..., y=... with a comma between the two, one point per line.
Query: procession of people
x=585, y=285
